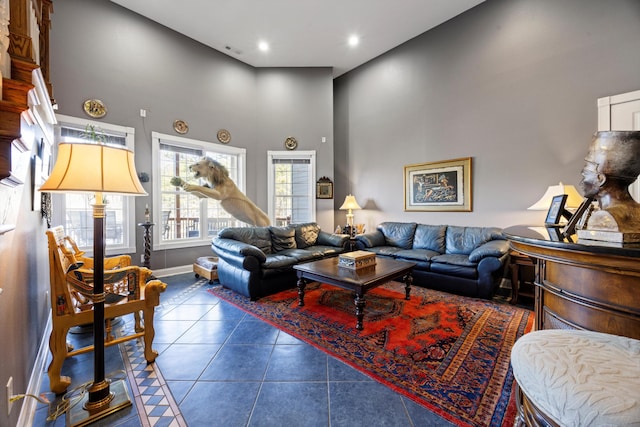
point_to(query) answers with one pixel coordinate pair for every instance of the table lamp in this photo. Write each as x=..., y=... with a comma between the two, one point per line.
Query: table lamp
x=96, y=169
x=350, y=204
x=574, y=199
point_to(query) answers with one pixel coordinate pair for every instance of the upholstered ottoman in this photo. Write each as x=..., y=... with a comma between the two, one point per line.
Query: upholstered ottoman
x=207, y=267
x=577, y=378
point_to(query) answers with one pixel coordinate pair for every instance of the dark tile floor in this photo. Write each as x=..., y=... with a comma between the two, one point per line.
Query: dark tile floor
x=224, y=367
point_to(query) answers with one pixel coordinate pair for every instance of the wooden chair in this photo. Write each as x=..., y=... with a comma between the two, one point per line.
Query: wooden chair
x=127, y=290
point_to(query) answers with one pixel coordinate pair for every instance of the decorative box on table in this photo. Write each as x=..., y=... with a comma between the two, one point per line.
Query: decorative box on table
x=357, y=260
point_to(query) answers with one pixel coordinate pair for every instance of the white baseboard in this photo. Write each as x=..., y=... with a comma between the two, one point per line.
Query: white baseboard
x=28, y=411
x=172, y=271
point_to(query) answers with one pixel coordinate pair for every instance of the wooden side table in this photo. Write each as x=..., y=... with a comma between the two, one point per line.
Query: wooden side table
x=522, y=276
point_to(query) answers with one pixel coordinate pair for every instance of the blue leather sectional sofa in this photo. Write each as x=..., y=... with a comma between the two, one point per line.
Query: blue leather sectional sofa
x=468, y=261
x=258, y=261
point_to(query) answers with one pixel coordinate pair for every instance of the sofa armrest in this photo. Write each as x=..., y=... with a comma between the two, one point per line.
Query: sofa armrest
x=328, y=239
x=493, y=248
x=237, y=248
x=369, y=240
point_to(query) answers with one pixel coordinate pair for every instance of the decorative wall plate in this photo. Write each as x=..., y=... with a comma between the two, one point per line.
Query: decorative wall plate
x=290, y=143
x=224, y=136
x=181, y=126
x=94, y=108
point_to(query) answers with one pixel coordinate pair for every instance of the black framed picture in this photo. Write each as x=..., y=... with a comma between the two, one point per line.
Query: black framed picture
x=555, y=209
x=324, y=188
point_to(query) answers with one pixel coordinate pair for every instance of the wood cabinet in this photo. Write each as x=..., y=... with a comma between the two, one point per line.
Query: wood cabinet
x=582, y=286
x=17, y=74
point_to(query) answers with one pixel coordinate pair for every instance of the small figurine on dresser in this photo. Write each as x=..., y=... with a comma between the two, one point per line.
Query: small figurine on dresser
x=611, y=165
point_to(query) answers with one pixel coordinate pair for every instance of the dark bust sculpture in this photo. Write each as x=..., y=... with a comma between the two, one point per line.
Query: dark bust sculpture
x=612, y=164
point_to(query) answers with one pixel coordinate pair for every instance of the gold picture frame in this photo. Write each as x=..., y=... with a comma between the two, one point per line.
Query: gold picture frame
x=443, y=186
x=324, y=188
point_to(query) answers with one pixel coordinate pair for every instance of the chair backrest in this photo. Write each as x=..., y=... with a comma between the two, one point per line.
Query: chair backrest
x=60, y=259
x=71, y=275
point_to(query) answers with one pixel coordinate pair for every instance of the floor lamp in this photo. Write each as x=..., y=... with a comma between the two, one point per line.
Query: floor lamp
x=96, y=169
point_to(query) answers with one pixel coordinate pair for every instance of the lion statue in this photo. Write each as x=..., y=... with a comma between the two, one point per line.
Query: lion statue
x=224, y=189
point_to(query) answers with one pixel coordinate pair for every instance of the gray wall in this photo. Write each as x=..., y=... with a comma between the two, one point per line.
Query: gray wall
x=101, y=50
x=24, y=280
x=511, y=83
x=299, y=101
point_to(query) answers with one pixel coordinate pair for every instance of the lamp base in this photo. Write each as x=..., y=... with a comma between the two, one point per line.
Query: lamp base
x=78, y=415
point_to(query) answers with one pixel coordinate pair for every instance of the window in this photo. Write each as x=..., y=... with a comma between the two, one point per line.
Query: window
x=291, y=187
x=182, y=218
x=75, y=212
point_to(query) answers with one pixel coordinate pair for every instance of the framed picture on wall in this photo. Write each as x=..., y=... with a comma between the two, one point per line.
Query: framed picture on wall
x=438, y=186
x=324, y=188
x=37, y=179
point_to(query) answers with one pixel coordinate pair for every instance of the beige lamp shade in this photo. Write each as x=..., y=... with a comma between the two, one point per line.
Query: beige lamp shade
x=94, y=168
x=350, y=203
x=574, y=199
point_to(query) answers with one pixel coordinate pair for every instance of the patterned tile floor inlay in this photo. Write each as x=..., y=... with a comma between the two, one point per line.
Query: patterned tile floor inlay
x=150, y=391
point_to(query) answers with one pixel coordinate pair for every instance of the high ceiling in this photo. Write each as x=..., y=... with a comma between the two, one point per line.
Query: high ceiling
x=301, y=33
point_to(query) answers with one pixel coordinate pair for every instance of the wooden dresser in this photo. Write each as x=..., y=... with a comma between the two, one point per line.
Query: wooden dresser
x=582, y=286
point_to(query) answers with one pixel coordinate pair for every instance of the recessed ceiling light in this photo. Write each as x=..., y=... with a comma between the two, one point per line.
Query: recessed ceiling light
x=263, y=46
x=353, y=41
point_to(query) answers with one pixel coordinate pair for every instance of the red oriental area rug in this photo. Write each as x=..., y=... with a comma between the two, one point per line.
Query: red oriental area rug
x=446, y=352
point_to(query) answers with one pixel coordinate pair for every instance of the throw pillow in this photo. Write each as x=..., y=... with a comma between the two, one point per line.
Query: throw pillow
x=306, y=234
x=282, y=238
x=256, y=236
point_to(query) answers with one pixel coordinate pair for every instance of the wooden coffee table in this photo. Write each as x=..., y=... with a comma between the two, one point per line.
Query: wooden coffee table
x=359, y=281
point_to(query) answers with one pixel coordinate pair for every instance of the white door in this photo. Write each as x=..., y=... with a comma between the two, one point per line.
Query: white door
x=621, y=112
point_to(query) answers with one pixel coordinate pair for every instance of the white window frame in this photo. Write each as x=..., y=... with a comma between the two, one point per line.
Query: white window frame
x=205, y=146
x=271, y=155
x=129, y=224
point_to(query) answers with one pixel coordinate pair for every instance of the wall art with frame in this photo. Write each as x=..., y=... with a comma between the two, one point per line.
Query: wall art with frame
x=438, y=186
x=324, y=188
x=40, y=165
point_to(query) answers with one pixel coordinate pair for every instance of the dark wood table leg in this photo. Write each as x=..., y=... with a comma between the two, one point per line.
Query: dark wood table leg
x=301, y=285
x=515, y=282
x=408, y=281
x=360, y=303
